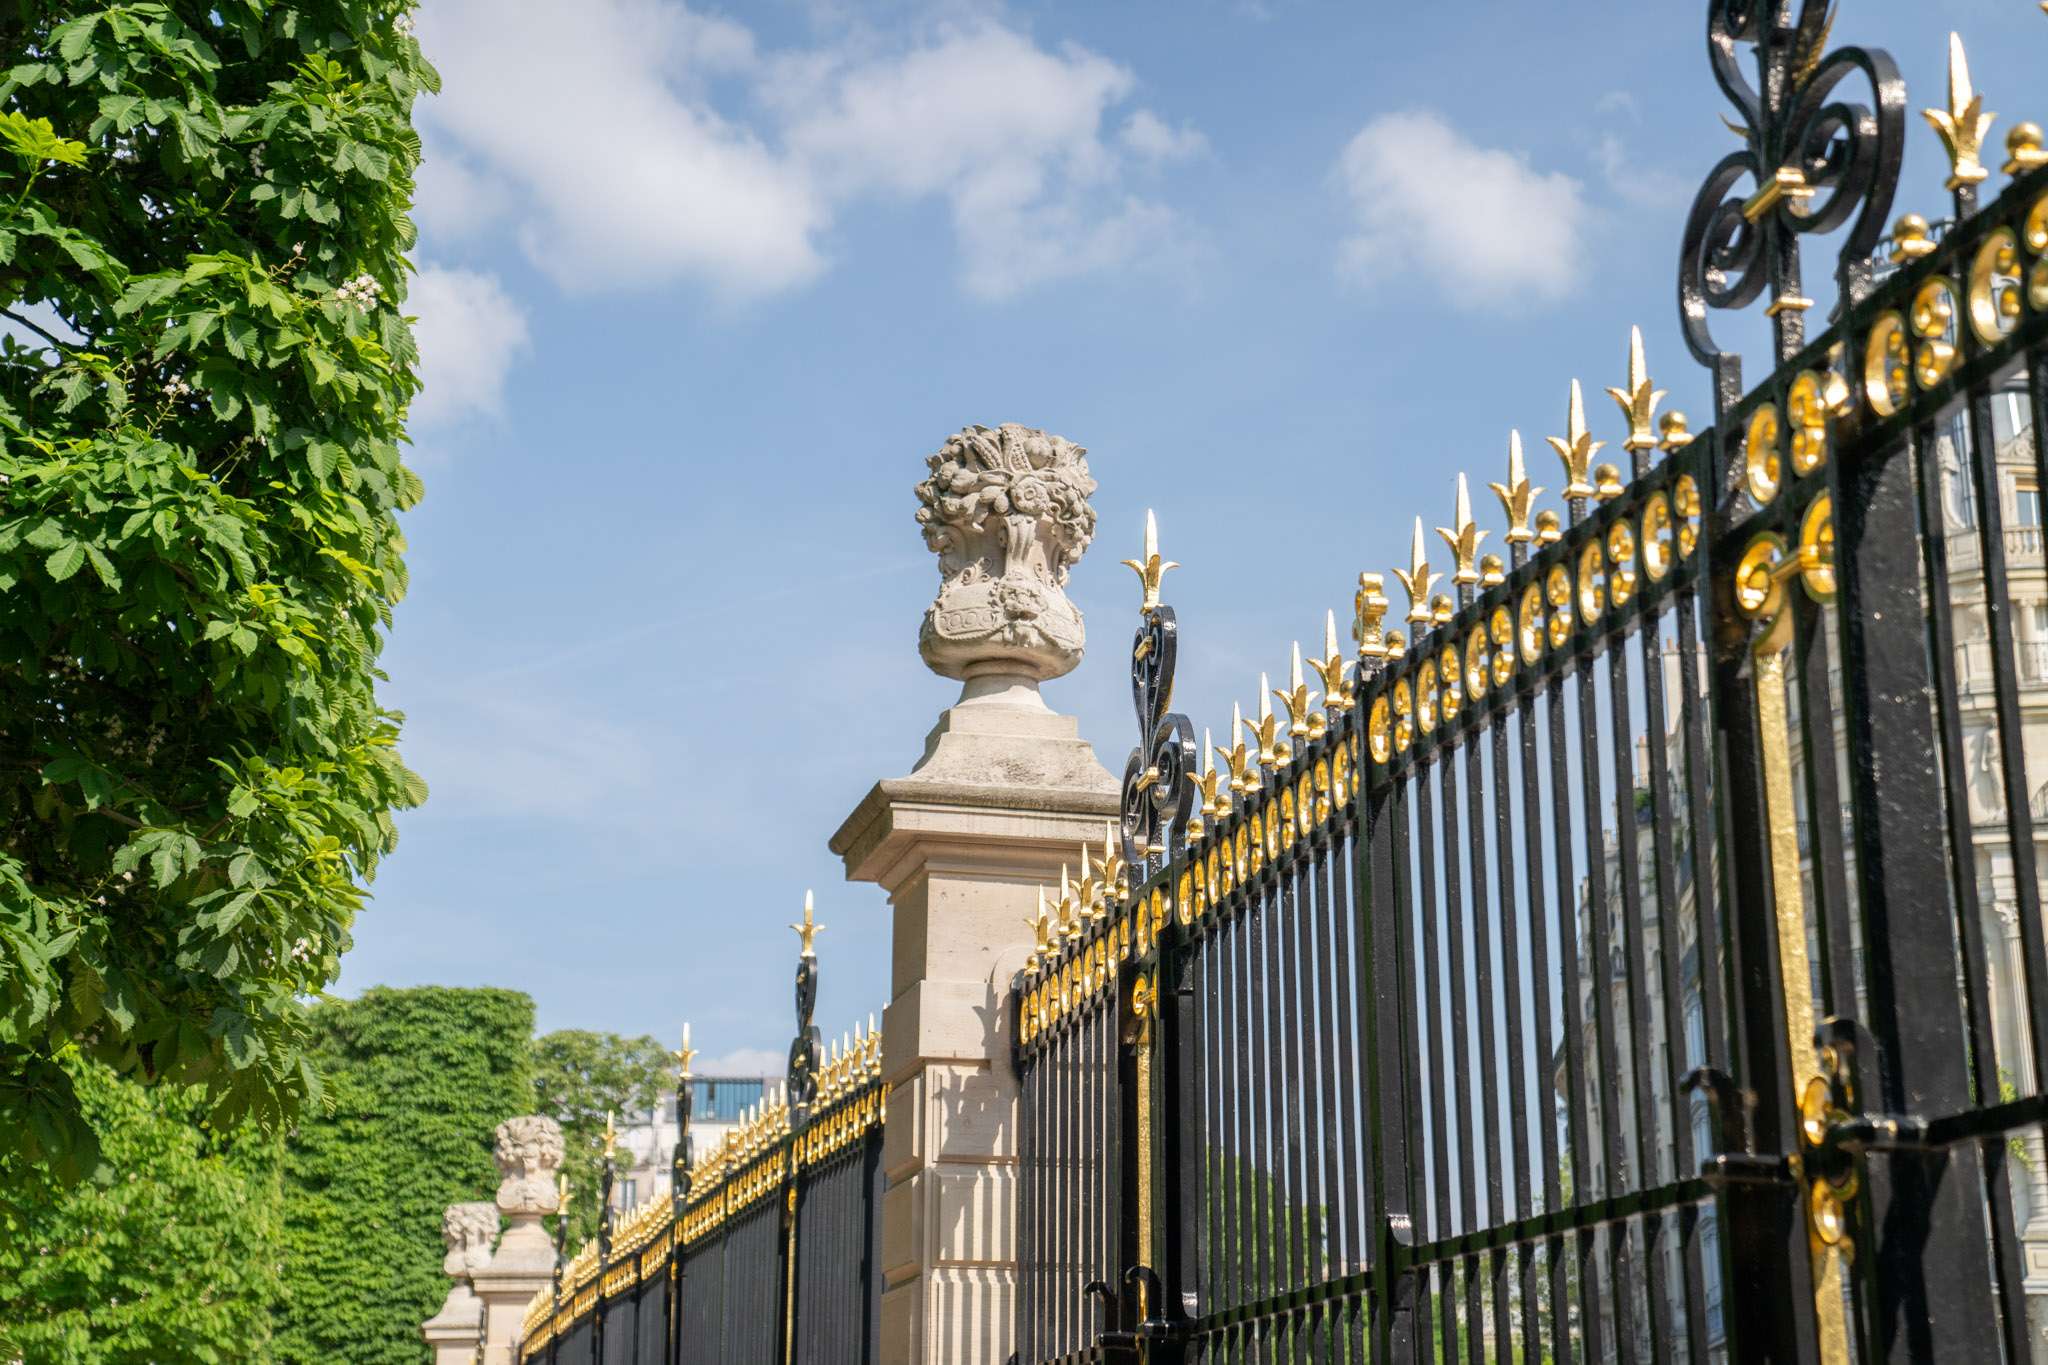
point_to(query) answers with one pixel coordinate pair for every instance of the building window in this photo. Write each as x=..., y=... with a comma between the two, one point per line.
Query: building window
x=1958, y=499
x=2026, y=502
x=2010, y=414
x=628, y=1191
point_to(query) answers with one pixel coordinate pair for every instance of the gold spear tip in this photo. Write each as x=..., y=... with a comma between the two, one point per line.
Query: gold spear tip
x=1463, y=536
x=1150, y=569
x=1638, y=401
x=1517, y=496
x=1417, y=580
x=1963, y=125
x=685, y=1054
x=1576, y=447
x=808, y=930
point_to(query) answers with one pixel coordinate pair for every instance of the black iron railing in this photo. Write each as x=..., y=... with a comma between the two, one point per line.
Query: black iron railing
x=1502, y=996
x=765, y=1251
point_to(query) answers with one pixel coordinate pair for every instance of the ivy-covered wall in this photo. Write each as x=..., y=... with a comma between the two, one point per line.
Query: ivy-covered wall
x=418, y=1080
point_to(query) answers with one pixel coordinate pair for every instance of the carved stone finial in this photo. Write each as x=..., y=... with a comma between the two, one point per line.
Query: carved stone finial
x=528, y=1153
x=468, y=1230
x=1006, y=510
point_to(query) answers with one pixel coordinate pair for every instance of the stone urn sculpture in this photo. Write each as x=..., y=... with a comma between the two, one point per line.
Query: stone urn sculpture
x=528, y=1153
x=1006, y=510
x=468, y=1231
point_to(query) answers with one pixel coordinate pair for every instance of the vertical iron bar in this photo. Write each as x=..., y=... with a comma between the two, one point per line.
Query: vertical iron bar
x=1635, y=957
x=1509, y=919
x=1435, y=973
x=1613, y=1119
x=1932, y=1261
x=1671, y=973
x=1387, y=1024
x=1564, y=911
x=1485, y=1122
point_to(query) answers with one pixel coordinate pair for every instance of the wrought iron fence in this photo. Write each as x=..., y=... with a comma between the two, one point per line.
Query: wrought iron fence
x=1621, y=965
x=764, y=1252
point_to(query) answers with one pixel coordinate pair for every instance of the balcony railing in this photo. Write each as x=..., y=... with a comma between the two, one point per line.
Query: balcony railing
x=1973, y=664
x=2022, y=546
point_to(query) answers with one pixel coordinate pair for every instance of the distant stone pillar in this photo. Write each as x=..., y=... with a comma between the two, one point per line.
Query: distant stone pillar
x=1006, y=792
x=468, y=1230
x=529, y=1151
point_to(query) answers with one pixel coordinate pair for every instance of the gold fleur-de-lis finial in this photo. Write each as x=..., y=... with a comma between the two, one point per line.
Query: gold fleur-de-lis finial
x=1516, y=496
x=809, y=929
x=1300, y=701
x=1463, y=539
x=611, y=1136
x=684, y=1055
x=1338, y=696
x=1070, y=922
x=1151, y=568
x=1041, y=927
x=1244, y=774
x=1368, y=616
x=1418, y=580
x=1273, y=750
x=1638, y=401
x=1090, y=890
x=1212, y=796
x=1964, y=123
x=1114, y=869
x=1576, y=448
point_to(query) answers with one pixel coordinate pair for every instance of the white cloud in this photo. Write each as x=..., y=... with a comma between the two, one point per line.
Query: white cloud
x=469, y=331
x=1149, y=136
x=623, y=174
x=633, y=172
x=1619, y=102
x=454, y=199
x=1478, y=223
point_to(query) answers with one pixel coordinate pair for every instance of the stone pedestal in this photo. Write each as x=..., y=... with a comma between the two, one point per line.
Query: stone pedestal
x=506, y=1288
x=1007, y=792
x=468, y=1230
x=452, y=1333
x=528, y=1153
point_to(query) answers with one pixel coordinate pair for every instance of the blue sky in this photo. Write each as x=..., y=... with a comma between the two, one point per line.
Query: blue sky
x=700, y=289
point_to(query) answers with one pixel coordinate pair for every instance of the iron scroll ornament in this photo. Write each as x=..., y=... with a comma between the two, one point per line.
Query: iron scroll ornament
x=805, y=1050
x=1815, y=161
x=1156, y=777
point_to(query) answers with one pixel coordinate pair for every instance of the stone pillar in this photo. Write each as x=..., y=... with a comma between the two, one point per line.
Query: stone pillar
x=528, y=1153
x=1005, y=793
x=453, y=1333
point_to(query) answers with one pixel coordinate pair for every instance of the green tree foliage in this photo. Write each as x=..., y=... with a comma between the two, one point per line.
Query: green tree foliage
x=578, y=1078
x=202, y=223
x=417, y=1080
x=168, y=1255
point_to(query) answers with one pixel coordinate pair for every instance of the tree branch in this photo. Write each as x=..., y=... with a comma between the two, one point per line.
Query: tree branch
x=42, y=332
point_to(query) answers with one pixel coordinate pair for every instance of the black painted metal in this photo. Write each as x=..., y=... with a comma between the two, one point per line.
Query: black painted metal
x=768, y=1256
x=1488, y=1058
